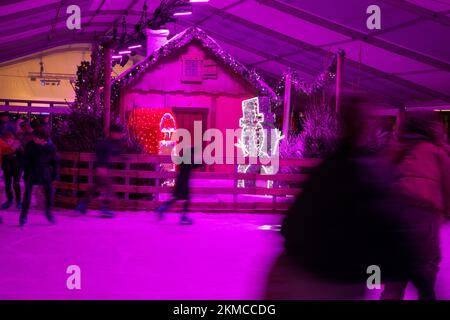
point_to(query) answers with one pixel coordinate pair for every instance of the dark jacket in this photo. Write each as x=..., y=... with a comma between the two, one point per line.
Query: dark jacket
x=422, y=173
x=105, y=149
x=12, y=162
x=24, y=137
x=40, y=163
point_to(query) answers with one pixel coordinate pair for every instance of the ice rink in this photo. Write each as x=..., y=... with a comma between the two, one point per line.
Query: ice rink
x=134, y=256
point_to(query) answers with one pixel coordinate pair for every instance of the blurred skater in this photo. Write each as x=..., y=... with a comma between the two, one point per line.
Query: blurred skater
x=40, y=166
x=12, y=170
x=105, y=149
x=181, y=191
x=422, y=178
x=345, y=220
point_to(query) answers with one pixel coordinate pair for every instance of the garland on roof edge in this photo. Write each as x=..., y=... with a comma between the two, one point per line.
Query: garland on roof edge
x=185, y=38
x=302, y=87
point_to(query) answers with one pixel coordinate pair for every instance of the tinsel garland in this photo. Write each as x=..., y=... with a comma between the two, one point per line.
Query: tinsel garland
x=186, y=37
x=301, y=86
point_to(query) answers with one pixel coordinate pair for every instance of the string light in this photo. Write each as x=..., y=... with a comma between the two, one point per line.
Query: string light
x=185, y=38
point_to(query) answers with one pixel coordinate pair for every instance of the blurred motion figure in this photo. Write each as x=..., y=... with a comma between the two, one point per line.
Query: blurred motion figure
x=345, y=220
x=181, y=191
x=104, y=150
x=422, y=179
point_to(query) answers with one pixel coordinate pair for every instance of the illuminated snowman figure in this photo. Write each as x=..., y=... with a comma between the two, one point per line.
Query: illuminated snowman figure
x=253, y=138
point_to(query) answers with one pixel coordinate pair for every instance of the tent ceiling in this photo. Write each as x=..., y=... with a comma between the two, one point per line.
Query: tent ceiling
x=407, y=60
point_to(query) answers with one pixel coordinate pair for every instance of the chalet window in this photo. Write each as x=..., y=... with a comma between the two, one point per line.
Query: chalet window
x=192, y=70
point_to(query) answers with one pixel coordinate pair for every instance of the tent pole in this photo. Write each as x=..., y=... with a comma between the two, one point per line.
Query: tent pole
x=339, y=81
x=287, y=105
x=107, y=91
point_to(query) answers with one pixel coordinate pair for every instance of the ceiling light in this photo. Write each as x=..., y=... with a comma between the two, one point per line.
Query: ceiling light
x=182, y=13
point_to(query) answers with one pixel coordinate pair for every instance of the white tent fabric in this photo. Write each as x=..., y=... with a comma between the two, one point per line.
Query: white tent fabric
x=407, y=61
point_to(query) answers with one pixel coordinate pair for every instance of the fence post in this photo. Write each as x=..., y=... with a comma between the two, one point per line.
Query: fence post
x=91, y=167
x=50, y=116
x=157, y=183
x=127, y=179
x=29, y=112
x=75, y=177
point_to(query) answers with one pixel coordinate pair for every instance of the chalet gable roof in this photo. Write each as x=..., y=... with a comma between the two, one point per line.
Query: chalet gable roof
x=185, y=38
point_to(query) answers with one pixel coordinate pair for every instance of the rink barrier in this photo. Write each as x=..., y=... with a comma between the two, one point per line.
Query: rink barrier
x=138, y=179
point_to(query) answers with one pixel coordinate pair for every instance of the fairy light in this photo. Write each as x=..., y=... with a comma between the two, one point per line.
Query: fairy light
x=182, y=40
x=145, y=124
x=253, y=137
x=167, y=123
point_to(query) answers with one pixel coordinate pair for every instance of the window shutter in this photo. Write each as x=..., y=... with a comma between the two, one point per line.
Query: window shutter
x=209, y=70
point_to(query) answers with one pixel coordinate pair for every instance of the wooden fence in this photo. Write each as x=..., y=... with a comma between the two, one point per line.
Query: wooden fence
x=138, y=184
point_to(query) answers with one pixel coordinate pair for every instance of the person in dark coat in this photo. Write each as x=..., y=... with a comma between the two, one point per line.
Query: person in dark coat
x=105, y=149
x=347, y=219
x=25, y=134
x=422, y=179
x=12, y=170
x=181, y=190
x=40, y=165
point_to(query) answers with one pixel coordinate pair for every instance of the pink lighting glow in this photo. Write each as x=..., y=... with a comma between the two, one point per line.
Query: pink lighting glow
x=125, y=52
x=135, y=47
x=117, y=57
x=197, y=1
